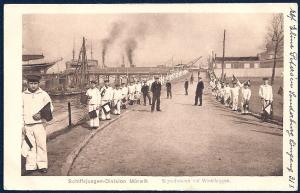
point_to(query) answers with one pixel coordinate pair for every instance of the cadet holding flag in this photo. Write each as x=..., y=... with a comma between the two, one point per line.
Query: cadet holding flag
x=106, y=98
x=37, y=108
x=266, y=95
x=246, y=94
x=94, y=100
x=117, y=97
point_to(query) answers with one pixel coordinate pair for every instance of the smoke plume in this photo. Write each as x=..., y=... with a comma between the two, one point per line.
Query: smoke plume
x=113, y=35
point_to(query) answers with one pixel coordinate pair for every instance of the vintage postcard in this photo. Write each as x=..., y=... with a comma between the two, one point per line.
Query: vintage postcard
x=151, y=97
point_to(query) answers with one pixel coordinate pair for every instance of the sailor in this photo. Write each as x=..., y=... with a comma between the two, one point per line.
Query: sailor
x=227, y=93
x=106, y=98
x=169, y=89
x=146, y=93
x=124, y=96
x=235, y=96
x=94, y=100
x=156, y=89
x=222, y=93
x=35, y=150
x=117, y=97
x=199, y=92
x=246, y=94
x=186, y=86
x=266, y=96
x=131, y=90
x=138, y=89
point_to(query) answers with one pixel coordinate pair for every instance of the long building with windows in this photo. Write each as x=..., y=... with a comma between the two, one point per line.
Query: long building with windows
x=253, y=66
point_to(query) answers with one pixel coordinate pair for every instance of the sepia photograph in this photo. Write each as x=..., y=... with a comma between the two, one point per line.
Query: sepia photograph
x=143, y=94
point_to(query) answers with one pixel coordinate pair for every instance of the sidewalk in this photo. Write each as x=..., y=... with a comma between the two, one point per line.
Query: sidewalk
x=62, y=141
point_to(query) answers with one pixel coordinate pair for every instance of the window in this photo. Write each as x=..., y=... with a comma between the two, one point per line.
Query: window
x=228, y=65
x=256, y=65
x=218, y=65
x=246, y=65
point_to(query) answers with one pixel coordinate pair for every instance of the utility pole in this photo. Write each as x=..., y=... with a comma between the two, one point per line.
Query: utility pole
x=91, y=50
x=223, y=54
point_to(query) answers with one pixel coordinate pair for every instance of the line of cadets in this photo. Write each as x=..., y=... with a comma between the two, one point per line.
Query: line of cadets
x=123, y=95
x=229, y=96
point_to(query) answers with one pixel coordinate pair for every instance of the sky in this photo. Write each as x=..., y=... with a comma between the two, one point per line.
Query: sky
x=148, y=39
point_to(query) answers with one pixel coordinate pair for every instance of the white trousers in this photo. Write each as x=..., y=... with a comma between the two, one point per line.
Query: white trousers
x=95, y=121
x=103, y=115
x=117, y=110
x=36, y=156
x=235, y=99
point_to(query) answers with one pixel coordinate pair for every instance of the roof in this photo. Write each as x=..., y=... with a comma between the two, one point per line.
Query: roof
x=27, y=57
x=250, y=58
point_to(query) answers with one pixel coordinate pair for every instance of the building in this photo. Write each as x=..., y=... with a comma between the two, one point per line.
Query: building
x=253, y=66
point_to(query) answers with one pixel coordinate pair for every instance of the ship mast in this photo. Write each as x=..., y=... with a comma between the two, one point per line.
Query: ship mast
x=82, y=67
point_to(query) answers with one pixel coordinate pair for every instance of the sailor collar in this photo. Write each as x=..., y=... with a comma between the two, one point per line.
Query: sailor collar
x=39, y=90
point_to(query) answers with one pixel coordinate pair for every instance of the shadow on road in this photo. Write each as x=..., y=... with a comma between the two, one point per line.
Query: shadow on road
x=270, y=133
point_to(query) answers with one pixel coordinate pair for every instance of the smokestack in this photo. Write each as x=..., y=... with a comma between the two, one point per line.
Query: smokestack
x=130, y=47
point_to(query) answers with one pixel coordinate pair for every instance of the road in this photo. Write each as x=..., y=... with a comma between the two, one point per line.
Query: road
x=183, y=140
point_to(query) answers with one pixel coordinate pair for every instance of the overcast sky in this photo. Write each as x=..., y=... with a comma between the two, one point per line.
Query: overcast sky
x=156, y=37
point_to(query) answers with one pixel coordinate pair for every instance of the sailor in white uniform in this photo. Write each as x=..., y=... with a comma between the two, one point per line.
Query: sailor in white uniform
x=124, y=95
x=117, y=97
x=94, y=101
x=35, y=150
x=246, y=94
x=106, y=93
x=227, y=93
x=235, y=96
x=266, y=95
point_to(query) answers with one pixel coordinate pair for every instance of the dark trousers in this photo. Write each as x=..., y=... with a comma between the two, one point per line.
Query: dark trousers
x=198, y=97
x=155, y=99
x=169, y=93
x=186, y=91
x=148, y=96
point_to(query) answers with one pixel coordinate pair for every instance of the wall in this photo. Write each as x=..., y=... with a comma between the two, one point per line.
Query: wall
x=250, y=72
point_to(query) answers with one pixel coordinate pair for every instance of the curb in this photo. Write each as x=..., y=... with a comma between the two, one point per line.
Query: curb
x=75, y=152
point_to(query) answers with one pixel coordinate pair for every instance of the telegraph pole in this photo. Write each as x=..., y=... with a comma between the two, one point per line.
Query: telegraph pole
x=223, y=54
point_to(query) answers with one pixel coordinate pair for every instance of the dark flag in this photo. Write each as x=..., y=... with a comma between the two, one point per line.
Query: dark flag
x=234, y=79
x=46, y=112
x=93, y=114
x=280, y=91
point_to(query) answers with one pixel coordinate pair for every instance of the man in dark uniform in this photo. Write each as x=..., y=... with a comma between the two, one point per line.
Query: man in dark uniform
x=155, y=89
x=186, y=86
x=145, y=91
x=192, y=79
x=169, y=89
x=199, y=91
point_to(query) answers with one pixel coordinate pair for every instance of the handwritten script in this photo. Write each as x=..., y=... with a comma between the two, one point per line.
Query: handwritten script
x=293, y=59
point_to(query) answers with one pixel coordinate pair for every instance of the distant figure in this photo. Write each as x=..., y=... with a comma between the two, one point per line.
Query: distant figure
x=124, y=96
x=116, y=101
x=146, y=93
x=131, y=91
x=227, y=93
x=169, y=89
x=186, y=86
x=94, y=100
x=246, y=94
x=266, y=95
x=199, y=92
x=192, y=79
x=235, y=96
x=155, y=89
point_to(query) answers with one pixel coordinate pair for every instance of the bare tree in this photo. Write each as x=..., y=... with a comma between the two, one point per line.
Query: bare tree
x=275, y=38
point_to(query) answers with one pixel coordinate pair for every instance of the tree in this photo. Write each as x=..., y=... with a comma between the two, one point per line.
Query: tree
x=275, y=37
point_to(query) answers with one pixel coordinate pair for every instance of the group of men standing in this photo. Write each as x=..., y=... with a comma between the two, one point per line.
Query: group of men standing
x=240, y=93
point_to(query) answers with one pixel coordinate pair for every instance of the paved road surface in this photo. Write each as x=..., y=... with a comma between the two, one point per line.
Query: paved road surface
x=183, y=140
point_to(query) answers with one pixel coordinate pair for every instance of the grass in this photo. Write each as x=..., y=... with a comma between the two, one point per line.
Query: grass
x=255, y=105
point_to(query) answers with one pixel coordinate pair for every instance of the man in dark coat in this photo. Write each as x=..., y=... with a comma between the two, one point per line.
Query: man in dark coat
x=169, y=89
x=186, y=86
x=145, y=91
x=199, y=91
x=155, y=89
